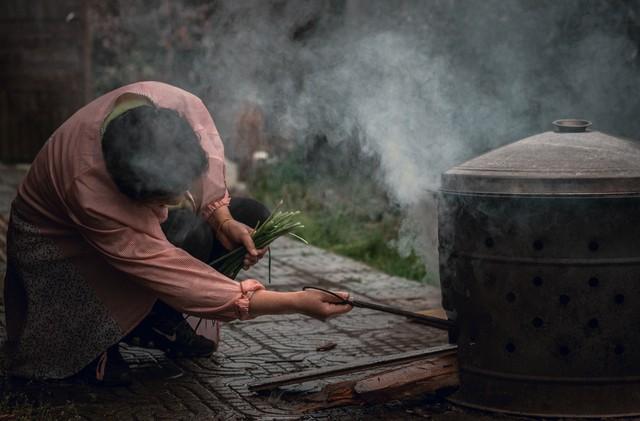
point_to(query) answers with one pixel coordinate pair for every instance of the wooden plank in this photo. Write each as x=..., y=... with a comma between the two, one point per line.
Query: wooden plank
x=425, y=373
x=359, y=365
x=58, y=82
x=435, y=312
x=3, y=239
x=30, y=31
x=4, y=123
x=44, y=71
x=41, y=10
x=21, y=137
x=415, y=380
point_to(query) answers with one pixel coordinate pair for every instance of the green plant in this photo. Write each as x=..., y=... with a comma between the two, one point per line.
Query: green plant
x=278, y=224
x=344, y=209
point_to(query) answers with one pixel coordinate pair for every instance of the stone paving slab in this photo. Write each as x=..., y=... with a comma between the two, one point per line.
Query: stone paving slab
x=216, y=387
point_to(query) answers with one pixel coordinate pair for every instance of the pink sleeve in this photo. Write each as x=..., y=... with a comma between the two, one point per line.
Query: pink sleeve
x=129, y=237
x=214, y=186
x=213, y=182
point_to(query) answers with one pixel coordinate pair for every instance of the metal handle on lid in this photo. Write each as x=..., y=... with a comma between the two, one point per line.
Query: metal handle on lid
x=571, y=125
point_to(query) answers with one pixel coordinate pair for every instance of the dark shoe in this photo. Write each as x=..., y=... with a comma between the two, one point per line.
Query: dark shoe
x=109, y=369
x=177, y=340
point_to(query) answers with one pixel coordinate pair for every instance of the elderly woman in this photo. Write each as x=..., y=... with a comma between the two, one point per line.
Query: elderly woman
x=96, y=254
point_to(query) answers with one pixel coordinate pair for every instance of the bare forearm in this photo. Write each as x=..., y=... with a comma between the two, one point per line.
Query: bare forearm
x=266, y=302
x=311, y=303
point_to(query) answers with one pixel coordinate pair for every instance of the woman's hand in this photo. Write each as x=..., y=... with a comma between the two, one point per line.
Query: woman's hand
x=233, y=234
x=320, y=305
x=312, y=303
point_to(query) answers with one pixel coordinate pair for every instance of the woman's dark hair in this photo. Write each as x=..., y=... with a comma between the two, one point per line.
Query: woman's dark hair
x=152, y=153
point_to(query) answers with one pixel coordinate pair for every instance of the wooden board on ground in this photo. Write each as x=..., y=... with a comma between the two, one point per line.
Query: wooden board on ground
x=434, y=312
x=415, y=380
x=355, y=366
x=3, y=239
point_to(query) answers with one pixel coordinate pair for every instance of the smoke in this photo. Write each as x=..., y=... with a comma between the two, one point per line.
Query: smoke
x=420, y=85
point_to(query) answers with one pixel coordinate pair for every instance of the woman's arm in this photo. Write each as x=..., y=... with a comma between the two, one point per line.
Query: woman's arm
x=312, y=303
x=129, y=237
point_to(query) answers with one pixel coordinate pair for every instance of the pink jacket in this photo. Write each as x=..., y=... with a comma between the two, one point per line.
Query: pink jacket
x=116, y=243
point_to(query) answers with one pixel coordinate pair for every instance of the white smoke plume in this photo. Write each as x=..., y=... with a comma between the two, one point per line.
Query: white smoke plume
x=422, y=85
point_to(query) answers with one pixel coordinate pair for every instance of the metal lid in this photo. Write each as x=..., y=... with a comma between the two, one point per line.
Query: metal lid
x=572, y=160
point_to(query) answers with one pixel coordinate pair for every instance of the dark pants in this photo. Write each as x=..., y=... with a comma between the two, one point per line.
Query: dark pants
x=188, y=231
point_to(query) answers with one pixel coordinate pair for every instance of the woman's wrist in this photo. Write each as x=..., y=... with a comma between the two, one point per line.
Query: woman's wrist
x=264, y=302
x=220, y=217
x=315, y=304
x=220, y=227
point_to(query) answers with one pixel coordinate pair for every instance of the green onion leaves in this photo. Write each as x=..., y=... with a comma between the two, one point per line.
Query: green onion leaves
x=278, y=224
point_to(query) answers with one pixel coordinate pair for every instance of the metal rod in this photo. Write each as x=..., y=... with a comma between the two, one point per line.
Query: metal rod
x=362, y=364
x=434, y=322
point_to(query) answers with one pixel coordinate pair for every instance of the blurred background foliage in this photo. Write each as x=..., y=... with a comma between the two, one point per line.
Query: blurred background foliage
x=426, y=85
x=335, y=185
x=344, y=208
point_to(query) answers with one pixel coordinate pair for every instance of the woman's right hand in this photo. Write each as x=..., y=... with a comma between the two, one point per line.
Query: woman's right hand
x=320, y=305
x=316, y=304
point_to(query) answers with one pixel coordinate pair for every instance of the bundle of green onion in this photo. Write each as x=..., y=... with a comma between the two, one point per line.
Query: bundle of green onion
x=278, y=224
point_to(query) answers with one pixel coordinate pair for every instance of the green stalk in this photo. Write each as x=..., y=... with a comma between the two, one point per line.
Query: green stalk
x=277, y=225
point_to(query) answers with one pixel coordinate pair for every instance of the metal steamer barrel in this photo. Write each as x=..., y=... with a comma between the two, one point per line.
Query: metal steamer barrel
x=540, y=260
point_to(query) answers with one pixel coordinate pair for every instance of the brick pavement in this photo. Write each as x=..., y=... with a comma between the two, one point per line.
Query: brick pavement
x=216, y=387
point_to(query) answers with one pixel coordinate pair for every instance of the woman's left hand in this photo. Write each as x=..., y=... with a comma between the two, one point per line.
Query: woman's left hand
x=233, y=234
